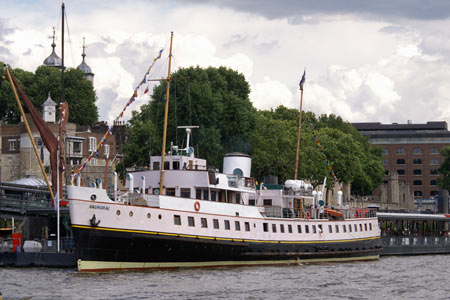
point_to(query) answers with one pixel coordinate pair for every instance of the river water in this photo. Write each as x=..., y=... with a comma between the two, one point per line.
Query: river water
x=408, y=277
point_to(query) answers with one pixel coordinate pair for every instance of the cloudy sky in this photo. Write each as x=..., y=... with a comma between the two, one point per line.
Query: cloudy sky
x=367, y=61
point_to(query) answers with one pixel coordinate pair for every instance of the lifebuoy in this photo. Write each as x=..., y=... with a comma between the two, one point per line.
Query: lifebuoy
x=308, y=215
x=197, y=206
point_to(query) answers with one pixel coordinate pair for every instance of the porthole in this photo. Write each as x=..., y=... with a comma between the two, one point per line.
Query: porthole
x=254, y=225
x=93, y=197
x=131, y=213
x=118, y=212
x=159, y=217
x=148, y=215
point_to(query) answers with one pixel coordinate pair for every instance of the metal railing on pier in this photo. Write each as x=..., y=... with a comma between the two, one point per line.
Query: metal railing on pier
x=21, y=204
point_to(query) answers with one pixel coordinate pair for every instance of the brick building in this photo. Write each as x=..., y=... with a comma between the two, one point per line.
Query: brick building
x=411, y=160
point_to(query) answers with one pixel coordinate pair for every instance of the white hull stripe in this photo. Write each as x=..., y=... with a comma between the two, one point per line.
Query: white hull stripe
x=225, y=239
x=96, y=266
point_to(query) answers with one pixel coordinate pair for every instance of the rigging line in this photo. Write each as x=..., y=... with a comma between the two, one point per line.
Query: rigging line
x=189, y=98
x=176, y=121
x=70, y=40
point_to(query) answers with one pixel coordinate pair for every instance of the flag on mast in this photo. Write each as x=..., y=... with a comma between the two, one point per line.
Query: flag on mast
x=302, y=82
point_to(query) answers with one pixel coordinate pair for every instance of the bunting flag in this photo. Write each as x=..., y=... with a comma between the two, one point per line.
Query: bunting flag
x=327, y=163
x=110, y=130
x=302, y=82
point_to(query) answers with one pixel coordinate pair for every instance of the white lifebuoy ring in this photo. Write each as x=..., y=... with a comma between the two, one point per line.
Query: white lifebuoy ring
x=197, y=206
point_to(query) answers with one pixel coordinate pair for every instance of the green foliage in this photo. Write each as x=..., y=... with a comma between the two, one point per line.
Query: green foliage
x=444, y=169
x=78, y=91
x=216, y=99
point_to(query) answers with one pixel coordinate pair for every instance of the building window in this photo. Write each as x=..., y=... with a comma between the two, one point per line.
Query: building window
x=106, y=149
x=282, y=228
x=417, y=161
x=76, y=147
x=93, y=162
x=247, y=226
x=417, y=172
x=417, y=150
x=227, y=225
x=185, y=193
x=385, y=161
x=400, y=161
x=267, y=202
x=417, y=182
x=400, y=151
x=204, y=222
x=386, y=172
x=434, y=193
x=13, y=145
x=434, y=150
x=274, y=228
x=385, y=151
x=401, y=172
x=265, y=227
x=434, y=172
x=191, y=221
x=433, y=182
x=434, y=161
x=176, y=220
x=92, y=144
x=417, y=193
x=216, y=224
x=237, y=225
x=299, y=228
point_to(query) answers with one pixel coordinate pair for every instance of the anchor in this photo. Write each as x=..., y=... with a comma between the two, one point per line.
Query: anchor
x=94, y=222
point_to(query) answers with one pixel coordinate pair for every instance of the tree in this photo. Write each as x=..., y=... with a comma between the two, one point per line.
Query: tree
x=444, y=169
x=78, y=91
x=215, y=99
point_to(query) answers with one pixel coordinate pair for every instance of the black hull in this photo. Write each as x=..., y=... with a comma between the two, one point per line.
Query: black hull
x=96, y=244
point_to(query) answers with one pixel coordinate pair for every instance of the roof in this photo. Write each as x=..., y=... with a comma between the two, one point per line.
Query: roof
x=49, y=101
x=53, y=60
x=433, y=125
x=29, y=181
x=408, y=216
x=236, y=154
x=85, y=68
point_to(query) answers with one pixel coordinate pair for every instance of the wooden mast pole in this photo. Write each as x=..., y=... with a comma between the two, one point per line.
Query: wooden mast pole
x=27, y=126
x=166, y=112
x=299, y=126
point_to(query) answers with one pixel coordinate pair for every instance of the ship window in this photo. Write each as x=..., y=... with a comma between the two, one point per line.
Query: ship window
x=238, y=198
x=299, y=228
x=148, y=215
x=290, y=228
x=365, y=227
x=251, y=202
x=159, y=217
x=156, y=165
x=176, y=219
x=370, y=226
x=170, y=191
x=130, y=213
x=166, y=165
x=198, y=194
x=185, y=193
x=356, y=228
x=227, y=225
x=191, y=221
x=320, y=228
x=337, y=228
x=306, y=228
x=330, y=229
x=204, y=223
x=247, y=226
x=267, y=202
x=349, y=228
x=344, y=229
x=237, y=225
x=314, y=229
x=360, y=227
x=216, y=223
x=118, y=212
x=213, y=195
x=176, y=165
x=265, y=227
x=274, y=228
x=205, y=195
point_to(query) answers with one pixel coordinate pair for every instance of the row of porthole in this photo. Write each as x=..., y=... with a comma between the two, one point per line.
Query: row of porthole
x=131, y=214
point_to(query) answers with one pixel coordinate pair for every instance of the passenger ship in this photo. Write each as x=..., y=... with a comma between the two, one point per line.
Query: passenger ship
x=204, y=218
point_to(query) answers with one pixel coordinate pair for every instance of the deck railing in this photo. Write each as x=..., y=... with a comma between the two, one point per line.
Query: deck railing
x=316, y=213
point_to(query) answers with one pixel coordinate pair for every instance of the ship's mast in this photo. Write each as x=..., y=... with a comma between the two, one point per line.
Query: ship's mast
x=166, y=112
x=299, y=125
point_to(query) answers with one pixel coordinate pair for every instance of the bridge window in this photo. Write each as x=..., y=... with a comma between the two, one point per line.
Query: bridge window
x=267, y=202
x=185, y=193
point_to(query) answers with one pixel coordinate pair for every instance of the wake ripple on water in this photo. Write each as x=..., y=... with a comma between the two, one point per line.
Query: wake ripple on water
x=414, y=277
